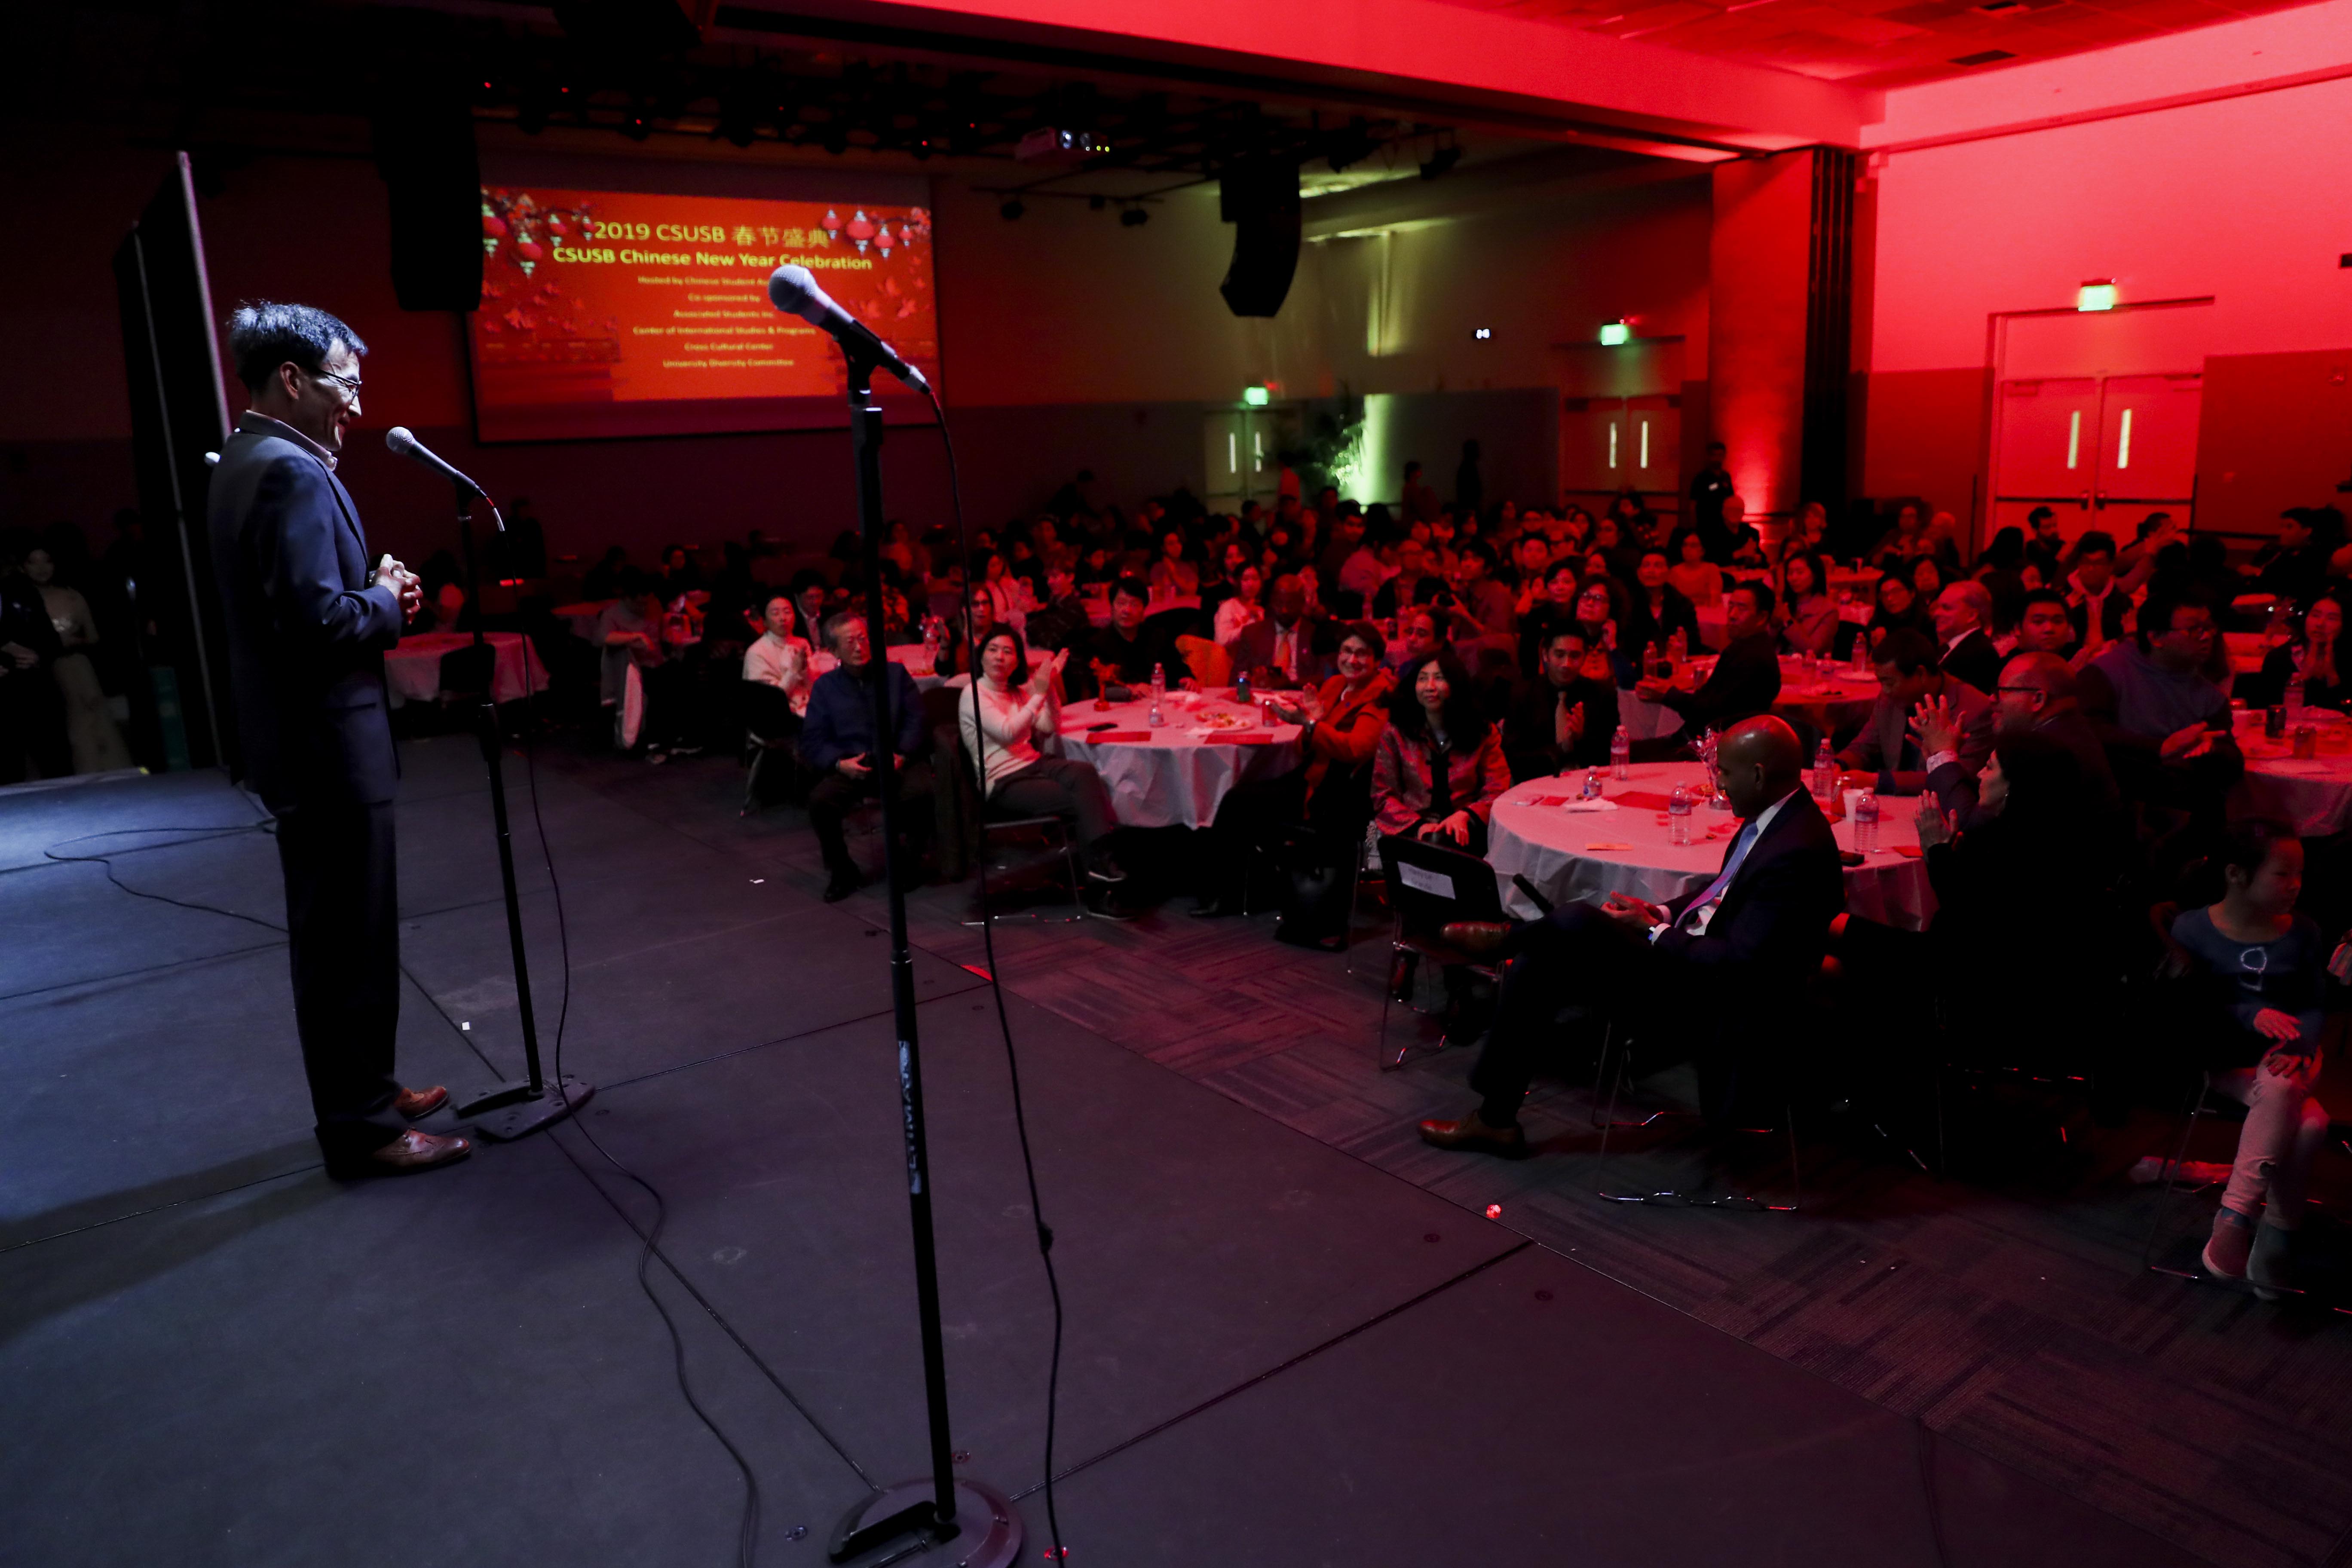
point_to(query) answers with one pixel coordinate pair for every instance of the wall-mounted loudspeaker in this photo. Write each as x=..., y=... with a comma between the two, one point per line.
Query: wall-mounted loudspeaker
x=1261, y=201
x=424, y=154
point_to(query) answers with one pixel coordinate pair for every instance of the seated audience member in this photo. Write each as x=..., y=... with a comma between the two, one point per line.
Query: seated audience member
x=1883, y=753
x=1736, y=537
x=1015, y=709
x=1484, y=609
x=1439, y=766
x=812, y=598
x=2024, y=839
x=1693, y=575
x=1173, y=574
x=978, y=618
x=680, y=573
x=1563, y=718
x=2046, y=547
x=2166, y=727
x=1127, y=651
x=1237, y=614
x=1329, y=791
x=1745, y=681
x=837, y=740
x=1717, y=967
x=2037, y=695
x=1288, y=648
x=2043, y=625
x=2293, y=566
x=1927, y=578
x=603, y=579
x=629, y=630
x=1007, y=597
x=1601, y=608
x=1553, y=608
x=1658, y=610
x=1063, y=622
x=2312, y=655
x=1897, y=606
x=2097, y=605
x=1963, y=617
x=2262, y=970
x=1809, y=616
x=1399, y=592
x=777, y=665
x=1420, y=633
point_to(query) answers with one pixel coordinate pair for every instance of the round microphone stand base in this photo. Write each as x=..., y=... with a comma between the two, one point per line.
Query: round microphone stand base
x=987, y=1528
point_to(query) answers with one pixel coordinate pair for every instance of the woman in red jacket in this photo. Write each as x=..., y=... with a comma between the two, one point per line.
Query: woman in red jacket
x=1439, y=767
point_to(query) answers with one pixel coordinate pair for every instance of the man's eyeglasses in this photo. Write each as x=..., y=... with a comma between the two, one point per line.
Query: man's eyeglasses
x=349, y=383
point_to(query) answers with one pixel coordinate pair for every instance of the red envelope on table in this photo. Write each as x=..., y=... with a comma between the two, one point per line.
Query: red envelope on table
x=1642, y=799
x=1248, y=738
x=1909, y=851
x=1119, y=735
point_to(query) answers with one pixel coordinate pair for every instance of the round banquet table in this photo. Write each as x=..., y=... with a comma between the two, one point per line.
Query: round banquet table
x=582, y=616
x=2315, y=793
x=1830, y=700
x=412, y=672
x=1175, y=775
x=1583, y=854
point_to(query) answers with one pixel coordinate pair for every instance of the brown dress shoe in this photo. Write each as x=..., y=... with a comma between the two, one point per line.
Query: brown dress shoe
x=1472, y=1134
x=406, y=1154
x=414, y=1103
x=1477, y=938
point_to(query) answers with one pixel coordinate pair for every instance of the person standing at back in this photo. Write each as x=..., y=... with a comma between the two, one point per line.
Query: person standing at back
x=309, y=620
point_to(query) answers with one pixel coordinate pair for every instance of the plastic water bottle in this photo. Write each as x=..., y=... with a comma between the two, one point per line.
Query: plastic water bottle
x=1592, y=784
x=1242, y=688
x=1865, y=822
x=1678, y=817
x=1824, y=770
x=1862, y=651
x=1158, y=693
x=1620, y=755
x=2294, y=698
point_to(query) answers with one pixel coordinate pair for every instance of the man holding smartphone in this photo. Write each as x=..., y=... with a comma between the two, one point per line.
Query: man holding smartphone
x=309, y=622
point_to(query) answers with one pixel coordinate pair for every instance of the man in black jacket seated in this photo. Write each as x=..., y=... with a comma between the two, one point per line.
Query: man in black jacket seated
x=837, y=740
x=1562, y=720
x=1720, y=964
x=1746, y=680
x=1125, y=652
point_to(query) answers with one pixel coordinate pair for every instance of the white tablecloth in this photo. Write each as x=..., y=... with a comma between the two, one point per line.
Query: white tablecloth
x=1180, y=774
x=413, y=669
x=2316, y=794
x=1552, y=847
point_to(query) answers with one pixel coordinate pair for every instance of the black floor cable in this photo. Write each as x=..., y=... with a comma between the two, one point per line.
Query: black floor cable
x=747, y=1530
x=1060, y=1554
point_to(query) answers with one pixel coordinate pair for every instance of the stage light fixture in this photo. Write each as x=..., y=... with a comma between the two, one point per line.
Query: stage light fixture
x=2095, y=294
x=1257, y=397
x=1482, y=333
x=1444, y=159
x=1011, y=210
x=1616, y=334
x=1134, y=217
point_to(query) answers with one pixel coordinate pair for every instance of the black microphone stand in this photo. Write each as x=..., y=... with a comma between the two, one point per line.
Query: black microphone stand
x=904, y=1510
x=507, y=1110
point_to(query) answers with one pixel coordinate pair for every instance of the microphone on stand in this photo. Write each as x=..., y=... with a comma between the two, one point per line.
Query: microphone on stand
x=400, y=441
x=793, y=290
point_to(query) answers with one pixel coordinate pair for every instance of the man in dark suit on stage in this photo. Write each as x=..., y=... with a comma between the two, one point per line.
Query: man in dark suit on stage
x=308, y=620
x=1723, y=964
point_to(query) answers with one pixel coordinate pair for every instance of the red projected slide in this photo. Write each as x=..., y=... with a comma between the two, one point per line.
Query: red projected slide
x=608, y=314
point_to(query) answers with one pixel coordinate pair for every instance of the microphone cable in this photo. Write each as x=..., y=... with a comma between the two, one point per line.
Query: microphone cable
x=747, y=1529
x=1060, y=1553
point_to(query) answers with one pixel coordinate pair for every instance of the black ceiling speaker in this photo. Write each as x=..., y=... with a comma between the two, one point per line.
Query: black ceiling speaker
x=424, y=154
x=1260, y=199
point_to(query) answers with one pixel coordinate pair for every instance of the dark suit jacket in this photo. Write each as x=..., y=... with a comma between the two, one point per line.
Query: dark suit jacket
x=1974, y=659
x=1886, y=746
x=840, y=720
x=1133, y=659
x=305, y=632
x=1768, y=935
x=1530, y=727
x=1253, y=651
x=1746, y=681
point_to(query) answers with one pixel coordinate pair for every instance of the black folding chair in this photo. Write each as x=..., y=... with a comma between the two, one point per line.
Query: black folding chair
x=1429, y=887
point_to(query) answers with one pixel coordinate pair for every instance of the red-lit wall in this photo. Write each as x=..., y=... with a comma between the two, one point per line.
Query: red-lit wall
x=2242, y=199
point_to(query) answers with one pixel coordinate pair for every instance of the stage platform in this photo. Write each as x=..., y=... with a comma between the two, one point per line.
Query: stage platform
x=1279, y=1351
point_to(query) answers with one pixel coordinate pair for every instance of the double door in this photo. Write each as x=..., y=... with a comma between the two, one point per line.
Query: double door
x=2090, y=445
